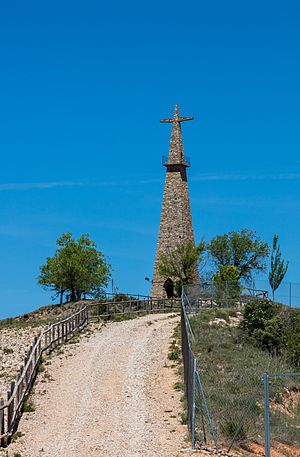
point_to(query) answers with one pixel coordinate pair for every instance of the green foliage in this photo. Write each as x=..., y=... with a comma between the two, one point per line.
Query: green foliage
x=174, y=351
x=180, y=264
x=257, y=313
x=229, y=429
x=77, y=268
x=184, y=418
x=120, y=297
x=274, y=328
x=231, y=367
x=271, y=336
x=227, y=273
x=243, y=249
x=278, y=266
x=226, y=282
x=292, y=337
x=28, y=407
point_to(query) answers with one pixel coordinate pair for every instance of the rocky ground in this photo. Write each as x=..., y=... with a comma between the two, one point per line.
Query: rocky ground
x=13, y=344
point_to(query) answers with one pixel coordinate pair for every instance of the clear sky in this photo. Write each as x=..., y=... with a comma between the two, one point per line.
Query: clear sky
x=83, y=85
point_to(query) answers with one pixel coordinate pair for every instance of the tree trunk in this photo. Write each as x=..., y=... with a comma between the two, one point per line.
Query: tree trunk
x=73, y=296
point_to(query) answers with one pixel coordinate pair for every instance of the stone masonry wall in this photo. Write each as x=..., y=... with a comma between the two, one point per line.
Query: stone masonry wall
x=175, y=223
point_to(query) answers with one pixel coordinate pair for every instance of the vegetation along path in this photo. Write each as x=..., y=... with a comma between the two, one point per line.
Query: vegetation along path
x=114, y=397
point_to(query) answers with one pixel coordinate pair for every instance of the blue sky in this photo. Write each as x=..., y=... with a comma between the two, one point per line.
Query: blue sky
x=82, y=88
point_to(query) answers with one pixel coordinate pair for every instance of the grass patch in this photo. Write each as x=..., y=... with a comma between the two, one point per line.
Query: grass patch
x=178, y=386
x=231, y=369
x=28, y=407
x=184, y=418
x=174, y=351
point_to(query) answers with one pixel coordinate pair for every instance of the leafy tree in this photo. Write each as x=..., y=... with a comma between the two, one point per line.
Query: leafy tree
x=77, y=268
x=242, y=249
x=227, y=273
x=227, y=283
x=180, y=264
x=278, y=267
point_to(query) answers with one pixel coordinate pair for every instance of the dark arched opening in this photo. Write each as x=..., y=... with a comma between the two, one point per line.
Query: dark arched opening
x=169, y=287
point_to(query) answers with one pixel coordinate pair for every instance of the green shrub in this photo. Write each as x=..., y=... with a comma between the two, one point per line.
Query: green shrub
x=257, y=313
x=271, y=336
x=226, y=282
x=28, y=407
x=174, y=351
x=230, y=427
x=292, y=338
x=273, y=328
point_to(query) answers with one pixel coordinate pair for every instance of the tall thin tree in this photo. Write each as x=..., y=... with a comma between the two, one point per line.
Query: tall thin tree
x=278, y=266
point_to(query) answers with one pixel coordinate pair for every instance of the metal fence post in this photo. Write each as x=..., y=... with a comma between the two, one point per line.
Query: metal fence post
x=227, y=293
x=201, y=392
x=267, y=413
x=193, y=403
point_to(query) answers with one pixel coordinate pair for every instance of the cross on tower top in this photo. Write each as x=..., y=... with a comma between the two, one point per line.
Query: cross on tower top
x=176, y=153
x=177, y=117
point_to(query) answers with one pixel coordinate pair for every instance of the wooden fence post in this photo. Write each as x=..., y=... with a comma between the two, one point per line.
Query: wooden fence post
x=52, y=336
x=10, y=408
x=18, y=388
x=2, y=426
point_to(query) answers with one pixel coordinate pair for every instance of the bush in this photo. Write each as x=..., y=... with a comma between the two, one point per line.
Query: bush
x=274, y=328
x=292, y=338
x=257, y=313
x=271, y=336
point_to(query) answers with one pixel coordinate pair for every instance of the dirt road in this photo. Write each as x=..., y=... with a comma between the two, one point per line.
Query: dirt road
x=111, y=395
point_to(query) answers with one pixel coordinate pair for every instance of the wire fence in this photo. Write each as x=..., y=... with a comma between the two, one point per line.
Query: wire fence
x=195, y=396
x=210, y=294
x=235, y=293
x=232, y=400
x=288, y=293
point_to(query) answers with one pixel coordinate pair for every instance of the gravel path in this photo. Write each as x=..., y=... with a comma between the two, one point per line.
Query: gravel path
x=111, y=395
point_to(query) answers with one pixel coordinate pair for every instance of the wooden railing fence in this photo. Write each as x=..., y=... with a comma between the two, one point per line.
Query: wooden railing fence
x=105, y=310
x=47, y=340
x=59, y=332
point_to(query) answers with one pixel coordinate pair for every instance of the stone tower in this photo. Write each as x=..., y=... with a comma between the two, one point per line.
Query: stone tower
x=176, y=220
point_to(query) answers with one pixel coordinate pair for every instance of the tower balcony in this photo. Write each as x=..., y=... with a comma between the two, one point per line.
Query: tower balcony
x=186, y=161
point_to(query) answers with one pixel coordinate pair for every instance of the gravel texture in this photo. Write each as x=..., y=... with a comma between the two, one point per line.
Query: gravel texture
x=111, y=394
x=13, y=344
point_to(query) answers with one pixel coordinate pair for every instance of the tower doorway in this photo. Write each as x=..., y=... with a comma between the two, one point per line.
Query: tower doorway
x=169, y=287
